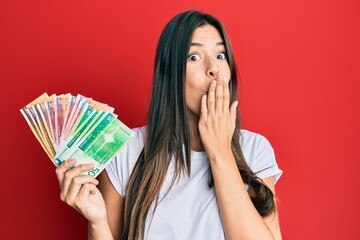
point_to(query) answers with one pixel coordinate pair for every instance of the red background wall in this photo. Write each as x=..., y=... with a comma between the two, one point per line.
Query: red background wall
x=299, y=62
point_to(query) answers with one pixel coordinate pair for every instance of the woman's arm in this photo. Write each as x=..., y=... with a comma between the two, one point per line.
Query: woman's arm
x=239, y=216
x=114, y=207
x=273, y=220
x=216, y=126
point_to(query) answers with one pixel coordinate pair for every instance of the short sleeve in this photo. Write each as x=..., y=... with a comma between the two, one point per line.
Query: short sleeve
x=120, y=168
x=259, y=155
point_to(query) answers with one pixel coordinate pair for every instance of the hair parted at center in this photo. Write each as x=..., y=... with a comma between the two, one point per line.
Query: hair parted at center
x=168, y=133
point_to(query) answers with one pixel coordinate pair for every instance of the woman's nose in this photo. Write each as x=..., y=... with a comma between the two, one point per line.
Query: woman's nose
x=212, y=69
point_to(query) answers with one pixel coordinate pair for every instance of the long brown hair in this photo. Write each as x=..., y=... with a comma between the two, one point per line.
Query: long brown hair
x=167, y=133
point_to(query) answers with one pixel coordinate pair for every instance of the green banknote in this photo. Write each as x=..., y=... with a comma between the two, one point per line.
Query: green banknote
x=96, y=143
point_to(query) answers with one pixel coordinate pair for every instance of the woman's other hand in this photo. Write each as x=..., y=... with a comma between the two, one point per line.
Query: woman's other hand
x=217, y=119
x=80, y=192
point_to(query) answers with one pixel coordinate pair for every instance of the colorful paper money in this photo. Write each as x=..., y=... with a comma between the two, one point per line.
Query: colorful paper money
x=76, y=127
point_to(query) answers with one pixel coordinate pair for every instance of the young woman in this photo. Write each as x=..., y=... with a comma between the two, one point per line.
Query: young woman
x=190, y=173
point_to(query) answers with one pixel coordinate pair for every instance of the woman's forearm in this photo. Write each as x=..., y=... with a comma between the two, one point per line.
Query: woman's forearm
x=99, y=231
x=239, y=217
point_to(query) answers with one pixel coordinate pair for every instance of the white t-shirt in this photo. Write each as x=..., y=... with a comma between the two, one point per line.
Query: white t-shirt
x=189, y=210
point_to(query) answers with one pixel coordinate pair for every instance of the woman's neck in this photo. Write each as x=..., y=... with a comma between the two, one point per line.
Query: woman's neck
x=195, y=139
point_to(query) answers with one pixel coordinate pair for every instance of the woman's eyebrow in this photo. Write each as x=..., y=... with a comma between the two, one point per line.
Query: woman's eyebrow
x=195, y=44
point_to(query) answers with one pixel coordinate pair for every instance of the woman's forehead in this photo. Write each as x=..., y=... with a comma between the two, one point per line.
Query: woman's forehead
x=206, y=34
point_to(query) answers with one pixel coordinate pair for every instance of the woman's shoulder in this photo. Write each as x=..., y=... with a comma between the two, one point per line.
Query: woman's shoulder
x=137, y=141
x=140, y=133
x=251, y=139
x=254, y=144
x=140, y=130
x=259, y=154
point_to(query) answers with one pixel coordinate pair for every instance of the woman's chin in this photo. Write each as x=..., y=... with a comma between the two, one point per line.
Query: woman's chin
x=193, y=113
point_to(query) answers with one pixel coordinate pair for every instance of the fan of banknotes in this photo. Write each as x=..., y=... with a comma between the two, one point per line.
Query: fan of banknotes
x=76, y=127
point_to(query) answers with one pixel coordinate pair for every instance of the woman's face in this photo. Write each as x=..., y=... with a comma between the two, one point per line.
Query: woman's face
x=207, y=58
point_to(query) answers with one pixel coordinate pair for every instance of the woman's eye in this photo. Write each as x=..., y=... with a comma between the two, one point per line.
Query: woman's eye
x=221, y=56
x=194, y=57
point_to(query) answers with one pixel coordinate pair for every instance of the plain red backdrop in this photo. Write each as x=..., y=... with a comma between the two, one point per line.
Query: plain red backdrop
x=300, y=68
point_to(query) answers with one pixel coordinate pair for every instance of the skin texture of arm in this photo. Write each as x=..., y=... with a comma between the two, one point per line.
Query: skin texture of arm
x=216, y=125
x=239, y=217
x=114, y=208
x=273, y=220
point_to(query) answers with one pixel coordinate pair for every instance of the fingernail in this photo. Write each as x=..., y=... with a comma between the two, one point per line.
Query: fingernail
x=90, y=165
x=220, y=77
x=214, y=82
x=72, y=161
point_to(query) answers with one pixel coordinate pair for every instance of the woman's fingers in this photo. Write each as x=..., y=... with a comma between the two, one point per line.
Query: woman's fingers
x=76, y=185
x=80, y=191
x=69, y=175
x=61, y=170
x=217, y=102
x=219, y=95
x=203, y=110
x=217, y=117
x=211, y=97
x=84, y=192
x=226, y=96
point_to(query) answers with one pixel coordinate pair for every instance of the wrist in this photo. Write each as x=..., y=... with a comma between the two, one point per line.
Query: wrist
x=221, y=157
x=99, y=230
x=101, y=224
x=222, y=160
